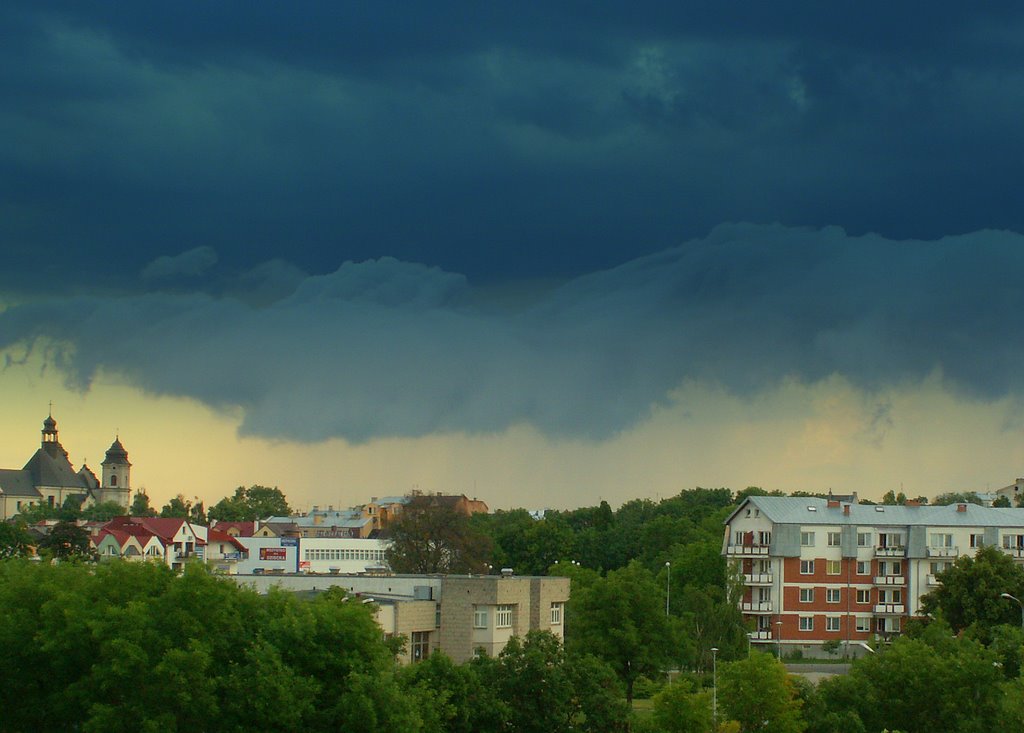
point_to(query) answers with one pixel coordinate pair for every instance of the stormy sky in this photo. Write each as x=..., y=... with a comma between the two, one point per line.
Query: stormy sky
x=548, y=234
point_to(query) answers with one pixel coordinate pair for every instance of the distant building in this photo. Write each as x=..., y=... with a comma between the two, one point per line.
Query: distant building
x=49, y=478
x=460, y=615
x=1014, y=492
x=817, y=570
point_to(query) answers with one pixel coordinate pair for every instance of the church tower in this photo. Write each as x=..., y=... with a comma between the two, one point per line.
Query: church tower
x=116, y=484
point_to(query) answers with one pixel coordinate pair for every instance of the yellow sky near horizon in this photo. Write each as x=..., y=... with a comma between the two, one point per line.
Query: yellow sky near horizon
x=920, y=438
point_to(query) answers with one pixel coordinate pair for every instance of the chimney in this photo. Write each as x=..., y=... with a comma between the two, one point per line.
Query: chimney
x=833, y=503
x=961, y=507
x=846, y=509
x=911, y=502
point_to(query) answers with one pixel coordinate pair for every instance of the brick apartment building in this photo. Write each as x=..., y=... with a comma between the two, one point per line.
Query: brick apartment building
x=816, y=570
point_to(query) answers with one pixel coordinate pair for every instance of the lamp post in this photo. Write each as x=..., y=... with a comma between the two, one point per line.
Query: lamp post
x=778, y=635
x=1019, y=603
x=668, y=583
x=714, y=686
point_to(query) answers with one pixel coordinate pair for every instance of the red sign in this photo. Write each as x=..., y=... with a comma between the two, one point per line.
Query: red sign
x=273, y=553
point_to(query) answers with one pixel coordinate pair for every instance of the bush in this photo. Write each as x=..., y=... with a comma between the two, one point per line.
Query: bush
x=645, y=688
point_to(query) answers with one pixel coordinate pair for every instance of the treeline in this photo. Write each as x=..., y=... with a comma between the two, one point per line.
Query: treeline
x=135, y=647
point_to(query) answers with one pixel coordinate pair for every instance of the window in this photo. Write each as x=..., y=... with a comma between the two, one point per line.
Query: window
x=896, y=596
x=764, y=538
x=938, y=567
x=832, y=595
x=863, y=539
x=977, y=540
x=890, y=568
x=503, y=617
x=807, y=539
x=113, y=480
x=833, y=539
x=556, y=613
x=891, y=539
x=863, y=596
x=807, y=567
x=479, y=617
x=863, y=567
x=833, y=567
x=420, y=645
x=940, y=541
x=1010, y=541
x=863, y=624
x=807, y=623
x=807, y=595
x=832, y=623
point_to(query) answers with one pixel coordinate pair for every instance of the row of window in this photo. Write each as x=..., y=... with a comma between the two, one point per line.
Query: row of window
x=834, y=595
x=343, y=554
x=863, y=623
x=937, y=540
x=835, y=567
x=503, y=616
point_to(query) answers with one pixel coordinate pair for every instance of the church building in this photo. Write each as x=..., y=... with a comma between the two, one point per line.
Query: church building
x=49, y=478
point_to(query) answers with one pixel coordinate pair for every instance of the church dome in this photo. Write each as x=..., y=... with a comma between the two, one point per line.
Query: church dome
x=116, y=453
x=49, y=424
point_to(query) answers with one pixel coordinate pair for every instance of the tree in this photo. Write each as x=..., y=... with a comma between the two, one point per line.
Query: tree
x=683, y=707
x=758, y=694
x=66, y=540
x=177, y=508
x=892, y=498
x=103, y=512
x=249, y=504
x=14, y=540
x=1002, y=502
x=140, y=505
x=621, y=619
x=935, y=682
x=957, y=497
x=432, y=537
x=970, y=591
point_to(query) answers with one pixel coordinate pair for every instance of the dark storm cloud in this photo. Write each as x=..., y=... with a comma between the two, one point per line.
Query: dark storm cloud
x=387, y=348
x=493, y=140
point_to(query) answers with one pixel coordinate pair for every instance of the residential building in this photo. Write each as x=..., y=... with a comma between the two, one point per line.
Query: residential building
x=460, y=615
x=49, y=478
x=816, y=570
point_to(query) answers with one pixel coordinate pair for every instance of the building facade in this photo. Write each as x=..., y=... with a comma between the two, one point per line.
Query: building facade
x=819, y=570
x=460, y=615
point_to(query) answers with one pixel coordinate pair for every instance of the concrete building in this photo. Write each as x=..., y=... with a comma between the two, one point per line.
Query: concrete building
x=460, y=615
x=49, y=478
x=816, y=570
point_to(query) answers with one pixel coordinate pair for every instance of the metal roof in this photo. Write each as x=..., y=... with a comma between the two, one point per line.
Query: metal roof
x=812, y=510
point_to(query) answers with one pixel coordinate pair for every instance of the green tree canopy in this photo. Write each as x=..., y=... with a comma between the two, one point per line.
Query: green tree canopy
x=432, y=537
x=249, y=504
x=970, y=591
x=621, y=619
x=140, y=505
x=14, y=540
x=758, y=694
x=66, y=540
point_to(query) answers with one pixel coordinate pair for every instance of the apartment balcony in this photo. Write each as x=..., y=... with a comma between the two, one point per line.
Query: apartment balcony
x=746, y=550
x=943, y=551
x=1015, y=552
x=890, y=609
x=890, y=580
x=933, y=580
x=757, y=578
x=756, y=607
x=761, y=635
x=894, y=551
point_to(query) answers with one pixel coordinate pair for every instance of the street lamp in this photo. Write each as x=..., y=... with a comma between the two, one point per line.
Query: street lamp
x=1019, y=603
x=714, y=686
x=668, y=583
x=778, y=637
